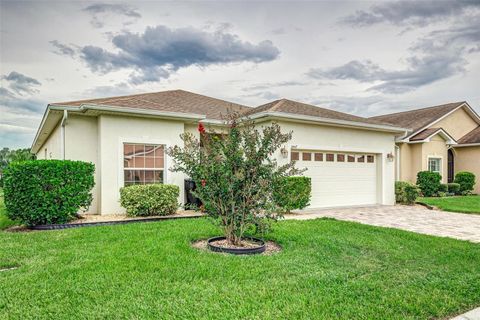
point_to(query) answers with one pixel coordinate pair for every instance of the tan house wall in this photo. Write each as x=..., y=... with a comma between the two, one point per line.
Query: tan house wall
x=51, y=149
x=436, y=148
x=457, y=124
x=468, y=159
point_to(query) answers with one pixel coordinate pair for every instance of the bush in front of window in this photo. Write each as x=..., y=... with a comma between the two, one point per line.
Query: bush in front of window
x=466, y=180
x=454, y=188
x=406, y=192
x=429, y=182
x=293, y=193
x=150, y=199
x=47, y=191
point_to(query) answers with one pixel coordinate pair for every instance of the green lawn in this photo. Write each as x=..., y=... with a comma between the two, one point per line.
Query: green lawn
x=467, y=204
x=4, y=221
x=327, y=270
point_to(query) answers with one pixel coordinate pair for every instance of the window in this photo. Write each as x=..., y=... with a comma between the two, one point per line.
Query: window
x=370, y=159
x=295, y=155
x=361, y=158
x=434, y=164
x=340, y=158
x=351, y=158
x=143, y=163
x=330, y=157
x=306, y=156
x=318, y=156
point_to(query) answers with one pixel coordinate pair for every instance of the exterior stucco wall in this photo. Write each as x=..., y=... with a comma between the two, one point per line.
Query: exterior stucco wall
x=81, y=143
x=457, y=124
x=468, y=159
x=52, y=147
x=321, y=137
x=436, y=148
x=114, y=131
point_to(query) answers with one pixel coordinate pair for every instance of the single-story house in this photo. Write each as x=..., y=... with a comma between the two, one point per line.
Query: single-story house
x=444, y=139
x=351, y=159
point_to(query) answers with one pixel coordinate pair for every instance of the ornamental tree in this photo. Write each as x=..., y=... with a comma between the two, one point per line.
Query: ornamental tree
x=235, y=174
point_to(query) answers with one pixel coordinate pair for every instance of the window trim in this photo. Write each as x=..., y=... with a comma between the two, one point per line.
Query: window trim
x=144, y=168
x=140, y=140
x=440, y=163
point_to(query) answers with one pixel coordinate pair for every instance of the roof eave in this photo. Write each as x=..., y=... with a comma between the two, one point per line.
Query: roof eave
x=329, y=121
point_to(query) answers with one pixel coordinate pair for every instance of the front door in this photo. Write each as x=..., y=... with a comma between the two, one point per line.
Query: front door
x=451, y=166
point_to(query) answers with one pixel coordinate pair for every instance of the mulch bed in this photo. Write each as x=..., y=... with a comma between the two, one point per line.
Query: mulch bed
x=271, y=247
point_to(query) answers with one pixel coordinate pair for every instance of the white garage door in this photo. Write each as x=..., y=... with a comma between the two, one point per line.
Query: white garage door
x=339, y=179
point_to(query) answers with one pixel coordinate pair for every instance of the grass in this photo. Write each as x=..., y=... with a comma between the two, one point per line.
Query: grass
x=328, y=269
x=4, y=221
x=465, y=204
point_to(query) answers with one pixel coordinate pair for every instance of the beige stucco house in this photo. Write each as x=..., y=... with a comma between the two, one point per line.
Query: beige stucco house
x=444, y=138
x=350, y=159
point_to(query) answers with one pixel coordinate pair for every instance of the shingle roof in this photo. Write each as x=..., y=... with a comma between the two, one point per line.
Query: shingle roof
x=424, y=134
x=170, y=101
x=419, y=118
x=471, y=137
x=294, y=107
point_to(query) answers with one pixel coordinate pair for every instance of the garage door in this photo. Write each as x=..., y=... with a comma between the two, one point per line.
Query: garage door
x=339, y=179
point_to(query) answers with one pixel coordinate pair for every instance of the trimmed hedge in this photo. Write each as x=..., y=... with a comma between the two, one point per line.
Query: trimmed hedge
x=406, y=192
x=293, y=193
x=454, y=188
x=466, y=180
x=428, y=182
x=443, y=188
x=47, y=191
x=150, y=199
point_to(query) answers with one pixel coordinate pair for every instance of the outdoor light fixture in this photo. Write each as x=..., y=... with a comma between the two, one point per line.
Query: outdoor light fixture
x=284, y=152
x=390, y=157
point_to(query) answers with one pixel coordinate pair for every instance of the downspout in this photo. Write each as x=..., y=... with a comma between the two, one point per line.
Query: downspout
x=62, y=133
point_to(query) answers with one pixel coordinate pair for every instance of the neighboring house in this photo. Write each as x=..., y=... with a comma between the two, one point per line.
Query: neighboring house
x=444, y=139
x=350, y=158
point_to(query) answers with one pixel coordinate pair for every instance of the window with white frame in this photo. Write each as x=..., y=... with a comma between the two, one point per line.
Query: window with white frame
x=434, y=164
x=143, y=163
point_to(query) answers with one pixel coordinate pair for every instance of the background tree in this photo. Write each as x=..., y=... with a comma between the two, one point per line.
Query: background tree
x=7, y=156
x=235, y=174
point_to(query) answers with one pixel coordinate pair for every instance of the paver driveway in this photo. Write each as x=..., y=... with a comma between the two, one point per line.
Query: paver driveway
x=412, y=218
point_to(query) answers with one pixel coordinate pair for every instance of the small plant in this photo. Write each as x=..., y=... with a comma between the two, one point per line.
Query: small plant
x=235, y=174
x=443, y=188
x=47, y=191
x=454, y=188
x=406, y=192
x=293, y=193
x=150, y=199
x=466, y=180
x=428, y=182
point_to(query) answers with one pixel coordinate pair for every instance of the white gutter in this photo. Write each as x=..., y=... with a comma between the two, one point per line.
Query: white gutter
x=276, y=114
x=477, y=144
x=62, y=133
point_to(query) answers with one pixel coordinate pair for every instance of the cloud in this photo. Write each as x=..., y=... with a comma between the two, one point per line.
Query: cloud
x=438, y=55
x=100, y=11
x=159, y=51
x=272, y=85
x=20, y=83
x=63, y=49
x=419, y=13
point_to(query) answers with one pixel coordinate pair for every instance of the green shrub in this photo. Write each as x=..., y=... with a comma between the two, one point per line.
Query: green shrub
x=293, y=193
x=47, y=191
x=466, y=180
x=443, y=188
x=406, y=192
x=428, y=182
x=150, y=199
x=454, y=188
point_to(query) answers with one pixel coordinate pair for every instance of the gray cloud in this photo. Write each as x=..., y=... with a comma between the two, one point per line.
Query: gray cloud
x=20, y=83
x=100, y=10
x=438, y=55
x=63, y=49
x=160, y=51
x=272, y=85
x=418, y=13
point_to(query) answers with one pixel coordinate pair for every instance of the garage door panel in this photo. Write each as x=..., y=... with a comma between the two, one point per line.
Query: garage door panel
x=341, y=183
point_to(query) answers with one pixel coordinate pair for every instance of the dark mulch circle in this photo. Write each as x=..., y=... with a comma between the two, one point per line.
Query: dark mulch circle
x=271, y=247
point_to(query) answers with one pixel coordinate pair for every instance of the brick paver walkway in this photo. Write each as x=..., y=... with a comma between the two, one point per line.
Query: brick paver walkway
x=412, y=218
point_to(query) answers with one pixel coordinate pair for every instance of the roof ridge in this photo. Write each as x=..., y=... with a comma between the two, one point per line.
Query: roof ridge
x=122, y=97
x=458, y=103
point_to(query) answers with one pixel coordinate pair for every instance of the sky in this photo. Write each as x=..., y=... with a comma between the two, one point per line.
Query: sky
x=364, y=58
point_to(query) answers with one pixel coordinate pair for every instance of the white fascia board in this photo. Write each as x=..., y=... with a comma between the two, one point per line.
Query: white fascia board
x=345, y=123
x=42, y=123
x=477, y=144
x=450, y=140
